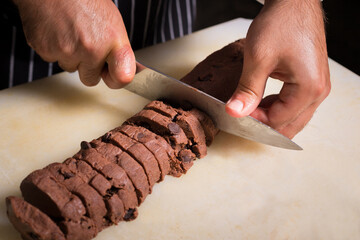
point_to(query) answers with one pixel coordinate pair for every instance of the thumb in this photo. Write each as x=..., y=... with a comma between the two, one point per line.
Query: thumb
x=249, y=91
x=120, y=68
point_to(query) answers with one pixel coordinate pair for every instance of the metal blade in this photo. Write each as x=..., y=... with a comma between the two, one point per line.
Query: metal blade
x=153, y=85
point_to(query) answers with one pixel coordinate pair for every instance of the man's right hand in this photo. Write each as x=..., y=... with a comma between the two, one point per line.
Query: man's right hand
x=88, y=36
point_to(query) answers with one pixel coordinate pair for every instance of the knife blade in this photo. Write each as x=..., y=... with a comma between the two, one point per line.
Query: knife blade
x=152, y=84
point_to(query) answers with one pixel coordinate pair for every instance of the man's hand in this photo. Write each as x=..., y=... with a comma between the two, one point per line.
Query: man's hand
x=88, y=36
x=285, y=41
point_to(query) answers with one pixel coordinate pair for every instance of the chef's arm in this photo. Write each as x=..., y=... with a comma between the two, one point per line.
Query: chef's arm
x=285, y=41
x=61, y=31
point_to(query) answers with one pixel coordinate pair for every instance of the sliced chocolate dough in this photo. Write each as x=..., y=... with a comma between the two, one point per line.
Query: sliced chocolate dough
x=115, y=175
x=43, y=191
x=189, y=124
x=140, y=153
x=174, y=163
x=83, y=229
x=162, y=126
x=132, y=168
x=91, y=199
x=171, y=131
x=107, y=150
x=162, y=108
x=31, y=222
x=102, y=185
x=114, y=205
x=194, y=131
x=116, y=209
x=219, y=69
x=80, y=168
x=136, y=173
x=151, y=141
x=207, y=124
x=89, y=175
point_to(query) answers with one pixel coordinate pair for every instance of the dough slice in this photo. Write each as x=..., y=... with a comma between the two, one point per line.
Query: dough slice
x=152, y=143
x=132, y=168
x=91, y=199
x=140, y=153
x=114, y=205
x=31, y=222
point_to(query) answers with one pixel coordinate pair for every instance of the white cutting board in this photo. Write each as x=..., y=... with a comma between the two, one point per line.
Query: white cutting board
x=241, y=190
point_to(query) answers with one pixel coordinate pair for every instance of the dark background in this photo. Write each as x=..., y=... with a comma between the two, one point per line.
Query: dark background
x=342, y=24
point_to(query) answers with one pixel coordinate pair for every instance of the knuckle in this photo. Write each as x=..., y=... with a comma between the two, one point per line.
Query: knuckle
x=320, y=86
x=243, y=88
x=251, y=95
x=89, y=45
x=67, y=48
x=92, y=53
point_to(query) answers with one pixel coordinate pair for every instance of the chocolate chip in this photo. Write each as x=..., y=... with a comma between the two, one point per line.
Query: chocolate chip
x=129, y=214
x=174, y=128
x=207, y=77
x=85, y=145
x=175, y=118
x=68, y=175
x=186, y=158
x=140, y=135
x=34, y=236
x=113, y=190
x=106, y=137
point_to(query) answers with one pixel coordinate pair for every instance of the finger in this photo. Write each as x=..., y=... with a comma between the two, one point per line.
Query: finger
x=261, y=112
x=267, y=101
x=279, y=111
x=121, y=67
x=90, y=75
x=289, y=129
x=249, y=91
x=292, y=128
x=293, y=99
x=68, y=66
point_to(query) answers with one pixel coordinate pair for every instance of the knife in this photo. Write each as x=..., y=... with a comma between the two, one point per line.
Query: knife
x=152, y=84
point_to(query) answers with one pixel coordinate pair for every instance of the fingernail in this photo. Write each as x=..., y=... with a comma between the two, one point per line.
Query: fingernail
x=236, y=105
